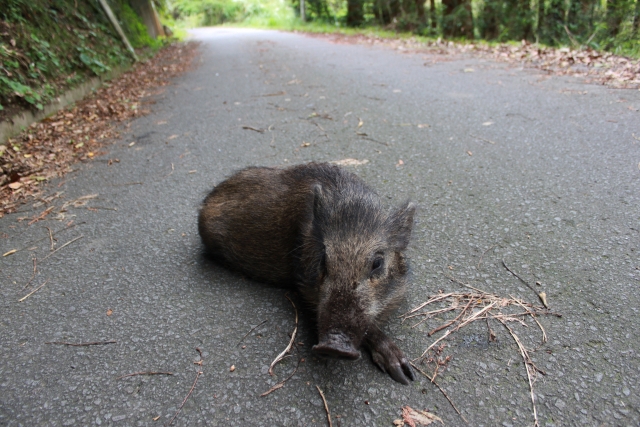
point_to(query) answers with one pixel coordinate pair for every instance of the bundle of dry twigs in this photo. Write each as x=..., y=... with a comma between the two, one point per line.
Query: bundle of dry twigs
x=478, y=305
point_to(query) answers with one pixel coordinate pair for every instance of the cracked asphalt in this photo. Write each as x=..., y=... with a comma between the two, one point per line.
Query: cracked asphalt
x=504, y=163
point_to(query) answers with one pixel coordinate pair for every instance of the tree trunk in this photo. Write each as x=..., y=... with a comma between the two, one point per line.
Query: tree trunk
x=420, y=10
x=355, y=15
x=457, y=19
x=490, y=19
x=144, y=9
x=551, y=24
x=614, y=15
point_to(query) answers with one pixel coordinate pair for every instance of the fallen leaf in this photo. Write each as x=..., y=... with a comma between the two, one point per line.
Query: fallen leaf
x=350, y=162
x=417, y=418
x=543, y=298
x=15, y=185
x=109, y=312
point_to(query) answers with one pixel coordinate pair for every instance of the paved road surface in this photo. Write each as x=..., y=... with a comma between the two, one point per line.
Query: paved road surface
x=556, y=194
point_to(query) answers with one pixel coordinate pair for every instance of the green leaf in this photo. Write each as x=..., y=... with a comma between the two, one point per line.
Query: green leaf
x=86, y=59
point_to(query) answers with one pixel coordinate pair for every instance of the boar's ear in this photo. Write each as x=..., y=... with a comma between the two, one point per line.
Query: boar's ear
x=400, y=225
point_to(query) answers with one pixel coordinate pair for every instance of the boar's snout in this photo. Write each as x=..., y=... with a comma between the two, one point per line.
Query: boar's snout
x=336, y=345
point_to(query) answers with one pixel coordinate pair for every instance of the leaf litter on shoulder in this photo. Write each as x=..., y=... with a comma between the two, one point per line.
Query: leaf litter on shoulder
x=47, y=149
x=604, y=68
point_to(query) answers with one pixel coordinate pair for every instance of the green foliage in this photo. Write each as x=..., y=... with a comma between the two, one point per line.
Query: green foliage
x=47, y=46
x=269, y=13
x=134, y=28
x=600, y=24
x=13, y=87
x=210, y=12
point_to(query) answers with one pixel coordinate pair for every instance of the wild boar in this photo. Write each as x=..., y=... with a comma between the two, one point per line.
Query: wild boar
x=322, y=230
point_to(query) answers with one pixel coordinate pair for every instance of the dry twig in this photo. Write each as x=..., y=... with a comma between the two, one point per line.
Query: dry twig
x=253, y=129
x=326, y=407
x=281, y=383
x=190, y=391
x=444, y=393
x=293, y=337
x=480, y=305
x=35, y=269
x=482, y=256
x=33, y=291
x=50, y=237
x=84, y=344
x=482, y=139
x=42, y=215
x=144, y=373
x=66, y=244
x=541, y=295
x=251, y=330
x=529, y=366
x=30, y=244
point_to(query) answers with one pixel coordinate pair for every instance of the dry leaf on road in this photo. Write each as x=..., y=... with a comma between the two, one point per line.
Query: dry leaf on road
x=416, y=418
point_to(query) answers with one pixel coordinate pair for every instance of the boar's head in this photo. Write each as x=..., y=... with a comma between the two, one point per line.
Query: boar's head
x=355, y=271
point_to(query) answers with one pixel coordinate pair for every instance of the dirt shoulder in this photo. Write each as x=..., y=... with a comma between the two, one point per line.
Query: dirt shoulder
x=595, y=67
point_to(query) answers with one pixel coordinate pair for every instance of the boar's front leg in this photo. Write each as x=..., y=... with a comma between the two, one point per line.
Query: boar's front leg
x=387, y=356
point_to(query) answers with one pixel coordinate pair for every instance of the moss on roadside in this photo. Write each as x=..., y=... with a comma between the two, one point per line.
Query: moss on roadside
x=48, y=46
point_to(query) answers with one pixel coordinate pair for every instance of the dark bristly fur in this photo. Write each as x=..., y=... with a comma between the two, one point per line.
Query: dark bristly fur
x=323, y=230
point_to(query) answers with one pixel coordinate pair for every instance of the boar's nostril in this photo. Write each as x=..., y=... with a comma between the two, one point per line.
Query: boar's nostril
x=338, y=346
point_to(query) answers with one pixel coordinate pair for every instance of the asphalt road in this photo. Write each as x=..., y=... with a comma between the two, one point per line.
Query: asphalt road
x=504, y=163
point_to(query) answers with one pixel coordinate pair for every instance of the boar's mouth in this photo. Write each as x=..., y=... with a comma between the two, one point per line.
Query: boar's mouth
x=337, y=345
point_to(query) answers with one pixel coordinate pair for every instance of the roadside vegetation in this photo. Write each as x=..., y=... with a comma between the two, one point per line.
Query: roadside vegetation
x=601, y=25
x=48, y=46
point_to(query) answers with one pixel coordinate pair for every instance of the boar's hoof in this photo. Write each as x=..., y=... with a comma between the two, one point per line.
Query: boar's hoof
x=336, y=345
x=389, y=358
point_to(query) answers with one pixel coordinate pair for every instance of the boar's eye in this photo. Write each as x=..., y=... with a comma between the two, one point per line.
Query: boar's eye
x=377, y=264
